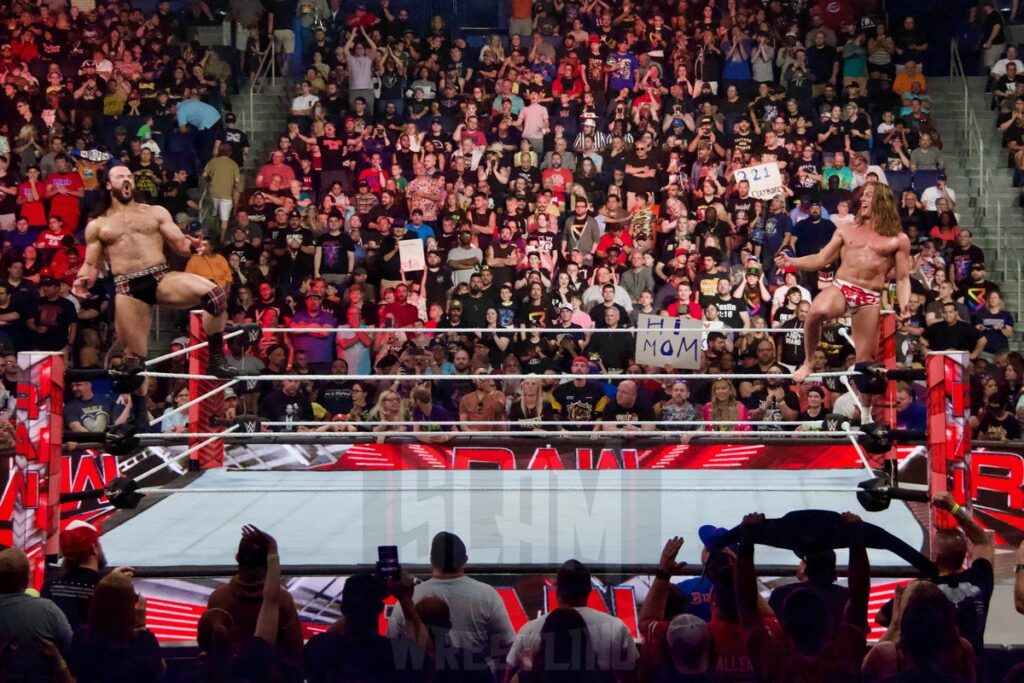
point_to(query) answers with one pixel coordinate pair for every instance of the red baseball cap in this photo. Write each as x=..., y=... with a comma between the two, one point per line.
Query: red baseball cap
x=581, y=359
x=78, y=540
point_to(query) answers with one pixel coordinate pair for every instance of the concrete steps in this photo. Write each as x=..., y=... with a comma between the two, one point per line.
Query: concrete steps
x=970, y=173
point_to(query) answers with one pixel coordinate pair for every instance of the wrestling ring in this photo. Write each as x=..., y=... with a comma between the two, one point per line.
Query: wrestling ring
x=523, y=498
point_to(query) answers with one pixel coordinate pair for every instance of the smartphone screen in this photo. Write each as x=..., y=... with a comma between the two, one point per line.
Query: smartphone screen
x=387, y=562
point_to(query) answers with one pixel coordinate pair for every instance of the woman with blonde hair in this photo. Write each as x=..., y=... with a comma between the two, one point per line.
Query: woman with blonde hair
x=493, y=48
x=27, y=147
x=389, y=408
x=532, y=405
x=724, y=408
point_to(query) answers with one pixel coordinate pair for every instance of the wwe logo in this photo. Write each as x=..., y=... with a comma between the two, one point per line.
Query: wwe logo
x=248, y=424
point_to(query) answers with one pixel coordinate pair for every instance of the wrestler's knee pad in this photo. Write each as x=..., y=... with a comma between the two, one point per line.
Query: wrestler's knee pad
x=215, y=301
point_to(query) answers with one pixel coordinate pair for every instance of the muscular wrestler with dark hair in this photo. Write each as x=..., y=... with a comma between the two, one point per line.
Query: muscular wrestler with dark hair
x=131, y=236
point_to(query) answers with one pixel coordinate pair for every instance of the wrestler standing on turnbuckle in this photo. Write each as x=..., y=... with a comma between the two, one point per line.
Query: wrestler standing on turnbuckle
x=868, y=251
x=131, y=236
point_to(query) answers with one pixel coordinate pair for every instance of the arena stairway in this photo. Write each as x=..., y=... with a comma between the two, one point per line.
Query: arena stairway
x=978, y=193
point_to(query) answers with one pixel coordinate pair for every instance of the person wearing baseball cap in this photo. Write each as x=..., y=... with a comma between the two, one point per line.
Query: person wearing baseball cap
x=81, y=569
x=697, y=591
x=816, y=408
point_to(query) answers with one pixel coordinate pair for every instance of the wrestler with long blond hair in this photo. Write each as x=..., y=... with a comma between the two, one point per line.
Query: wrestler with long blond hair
x=868, y=250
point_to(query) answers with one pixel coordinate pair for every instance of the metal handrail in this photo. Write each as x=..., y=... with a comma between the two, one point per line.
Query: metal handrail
x=202, y=199
x=268, y=63
x=974, y=140
x=956, y=71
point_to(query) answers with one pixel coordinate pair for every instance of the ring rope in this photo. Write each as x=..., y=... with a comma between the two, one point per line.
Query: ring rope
x=513, y=376
x=189, y=349
x=530, y=423
x=184, y=454
x=156, y=439
x=538, y=330
x=188, y=404
x=502, y=489
x=862, y=455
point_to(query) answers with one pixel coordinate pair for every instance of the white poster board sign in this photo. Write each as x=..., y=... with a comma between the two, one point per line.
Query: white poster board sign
x=410, y=255
x=673, y=342
x=764, y=179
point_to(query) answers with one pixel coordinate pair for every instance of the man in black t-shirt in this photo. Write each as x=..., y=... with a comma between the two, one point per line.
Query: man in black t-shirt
x=334, y=256
x=248, y=255
x=287, y=404
x=773, y=404
x=336, y=397
x=233, y=136
x=711, y=225
x=964, y=255
x=953, y=334
x=641, y=169
x=438, y=280
x=332, y=149
x=579, y=400
x=621, y=414
x=731, y=311
x=791, y=344
x=615, y=349
x=83, y=557
x=12, y=319
x=55, y=319
x=973, y=292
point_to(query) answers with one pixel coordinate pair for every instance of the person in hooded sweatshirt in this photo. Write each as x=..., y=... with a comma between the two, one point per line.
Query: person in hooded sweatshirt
x=242, y=597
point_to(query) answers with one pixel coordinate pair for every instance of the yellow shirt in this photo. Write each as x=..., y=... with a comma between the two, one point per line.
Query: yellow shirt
x=214, y=268
x=113, y=103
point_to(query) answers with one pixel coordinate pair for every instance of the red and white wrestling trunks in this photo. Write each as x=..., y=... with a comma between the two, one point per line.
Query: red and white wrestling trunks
x=856, y=296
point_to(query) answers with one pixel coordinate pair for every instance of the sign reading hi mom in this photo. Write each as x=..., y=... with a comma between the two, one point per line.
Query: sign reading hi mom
x=674, y=342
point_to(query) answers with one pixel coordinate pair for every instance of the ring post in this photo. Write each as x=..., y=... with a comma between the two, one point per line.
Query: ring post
x=884, y=409
x=949, y=433
x=35, y=473
x=200, y=416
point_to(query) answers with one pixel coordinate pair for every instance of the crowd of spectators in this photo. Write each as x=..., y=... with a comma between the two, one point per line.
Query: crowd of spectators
x=89, y=625
x=575, y=174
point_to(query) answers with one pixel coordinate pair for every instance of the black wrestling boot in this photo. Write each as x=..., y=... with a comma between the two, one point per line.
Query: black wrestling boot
x=123, y=439
x=138, y=417
x=215, y=363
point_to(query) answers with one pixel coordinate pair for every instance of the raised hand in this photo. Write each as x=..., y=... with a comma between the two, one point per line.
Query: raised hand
x=668, y=562
x=250, y=532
